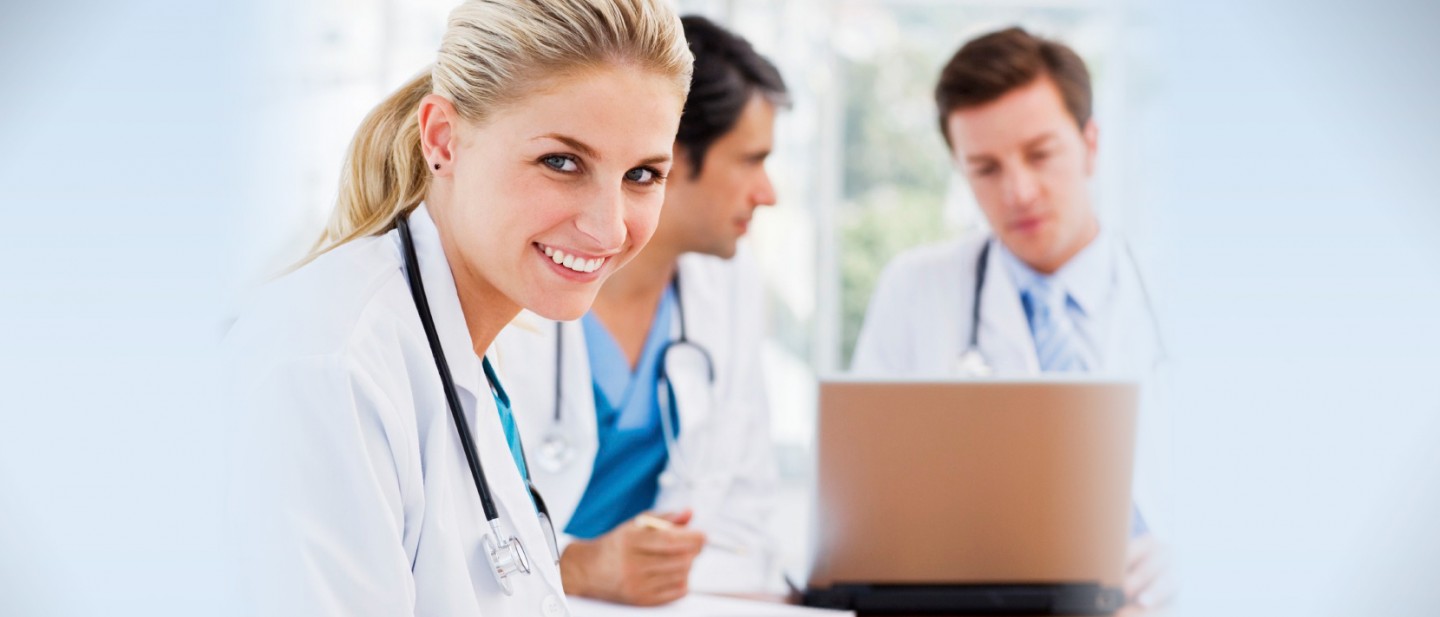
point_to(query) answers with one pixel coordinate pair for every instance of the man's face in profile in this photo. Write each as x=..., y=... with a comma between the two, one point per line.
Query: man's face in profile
x=1029, y=166
x=709, y=212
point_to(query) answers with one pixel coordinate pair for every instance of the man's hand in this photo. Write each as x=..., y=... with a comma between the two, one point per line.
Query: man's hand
x=1148, y=583
x=635, y=563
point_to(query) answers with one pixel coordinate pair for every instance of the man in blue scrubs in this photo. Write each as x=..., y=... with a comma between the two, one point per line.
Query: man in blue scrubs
x=625, y=506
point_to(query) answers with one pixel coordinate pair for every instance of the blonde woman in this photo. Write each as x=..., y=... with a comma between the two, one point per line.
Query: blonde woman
x=520, y=171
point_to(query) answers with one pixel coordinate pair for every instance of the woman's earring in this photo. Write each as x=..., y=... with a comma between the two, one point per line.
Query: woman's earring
x=437, y=167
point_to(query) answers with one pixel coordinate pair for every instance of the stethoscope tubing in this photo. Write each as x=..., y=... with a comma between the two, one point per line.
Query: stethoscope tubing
x=662, y=377
x=447, y=381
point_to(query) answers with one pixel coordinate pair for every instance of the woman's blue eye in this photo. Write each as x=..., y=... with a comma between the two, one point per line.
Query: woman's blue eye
x=560, y=163
x=640, y=175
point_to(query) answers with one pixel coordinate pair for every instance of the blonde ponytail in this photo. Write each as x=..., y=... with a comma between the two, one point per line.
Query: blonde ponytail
x=384, y=174
x=492, y=53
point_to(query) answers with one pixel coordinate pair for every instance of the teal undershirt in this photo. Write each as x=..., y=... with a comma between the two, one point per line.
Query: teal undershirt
x=507, y=420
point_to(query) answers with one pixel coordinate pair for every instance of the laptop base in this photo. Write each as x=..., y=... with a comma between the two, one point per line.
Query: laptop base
x=969, y=599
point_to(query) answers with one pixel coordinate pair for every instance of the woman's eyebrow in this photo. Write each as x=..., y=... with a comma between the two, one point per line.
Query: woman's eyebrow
x=654, y=160
x=578, y=145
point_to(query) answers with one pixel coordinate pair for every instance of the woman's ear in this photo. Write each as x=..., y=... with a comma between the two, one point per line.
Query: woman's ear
x=438, y=122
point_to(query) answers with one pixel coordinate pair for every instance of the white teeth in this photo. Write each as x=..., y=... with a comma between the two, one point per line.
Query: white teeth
x=578, y=264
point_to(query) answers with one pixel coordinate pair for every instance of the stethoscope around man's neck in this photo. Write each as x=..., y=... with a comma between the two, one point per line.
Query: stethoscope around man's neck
x=558, y=450
x=506, y=555
x=972, y=361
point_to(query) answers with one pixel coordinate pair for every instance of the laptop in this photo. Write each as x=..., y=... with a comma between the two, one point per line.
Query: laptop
x=973, y=497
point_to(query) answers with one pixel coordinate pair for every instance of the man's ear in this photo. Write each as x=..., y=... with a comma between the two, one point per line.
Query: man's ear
x=438, y=123
x=1091, y=135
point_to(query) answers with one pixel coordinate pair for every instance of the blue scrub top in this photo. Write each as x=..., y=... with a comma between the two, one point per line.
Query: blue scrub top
x=632, y=454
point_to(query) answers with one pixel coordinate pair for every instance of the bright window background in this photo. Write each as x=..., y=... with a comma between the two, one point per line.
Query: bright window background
x=859, y=165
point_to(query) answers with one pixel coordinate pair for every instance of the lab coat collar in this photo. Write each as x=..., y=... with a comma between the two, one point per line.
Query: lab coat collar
x=444, y=302
x=1004, y=335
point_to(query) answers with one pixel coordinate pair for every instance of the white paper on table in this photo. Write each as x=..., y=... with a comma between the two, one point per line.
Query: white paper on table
x=699, y=605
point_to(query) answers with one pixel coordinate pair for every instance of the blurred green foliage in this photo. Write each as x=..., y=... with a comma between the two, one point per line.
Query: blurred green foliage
x=895, y=168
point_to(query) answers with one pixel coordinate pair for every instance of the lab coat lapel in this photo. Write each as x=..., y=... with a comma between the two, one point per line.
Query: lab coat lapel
x=694, y=394
x=1005, y=338
x=577, y=413
x=1132, y=347
x=444, y=303
x=525, y=355
x=518, y=516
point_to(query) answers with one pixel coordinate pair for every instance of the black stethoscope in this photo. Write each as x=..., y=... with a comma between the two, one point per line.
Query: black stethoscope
x=557, y=450
x=973, y=362
x=506, y=555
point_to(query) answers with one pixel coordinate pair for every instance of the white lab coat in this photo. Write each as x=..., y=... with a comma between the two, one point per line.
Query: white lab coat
x=730, y=476
x=354, y=492
x=919, y=323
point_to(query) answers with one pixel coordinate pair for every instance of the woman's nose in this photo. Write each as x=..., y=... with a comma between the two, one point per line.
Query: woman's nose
x=603, y=219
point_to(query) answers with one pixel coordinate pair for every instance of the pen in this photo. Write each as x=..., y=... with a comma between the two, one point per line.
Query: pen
x=655, y=522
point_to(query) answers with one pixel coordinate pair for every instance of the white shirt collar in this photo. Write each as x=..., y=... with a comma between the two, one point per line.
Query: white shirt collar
x=1087, y=278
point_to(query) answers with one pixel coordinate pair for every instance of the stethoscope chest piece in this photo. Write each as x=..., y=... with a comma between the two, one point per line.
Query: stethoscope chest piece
x=505, y=558
x=972, y=363
x=556, y=451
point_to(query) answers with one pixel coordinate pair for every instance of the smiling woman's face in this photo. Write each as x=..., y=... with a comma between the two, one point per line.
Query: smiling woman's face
x=554, y=192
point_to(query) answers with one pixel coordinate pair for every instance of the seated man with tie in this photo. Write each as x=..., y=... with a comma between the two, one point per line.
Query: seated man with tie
x=1049, y=290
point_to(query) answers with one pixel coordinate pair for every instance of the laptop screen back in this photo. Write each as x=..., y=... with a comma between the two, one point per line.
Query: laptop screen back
x=973, y=482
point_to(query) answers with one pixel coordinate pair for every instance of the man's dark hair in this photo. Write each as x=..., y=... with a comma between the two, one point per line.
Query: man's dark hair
x=728, y=72
x=992, y=65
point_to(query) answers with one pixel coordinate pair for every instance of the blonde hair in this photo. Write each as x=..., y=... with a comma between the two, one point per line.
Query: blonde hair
x=494, y=52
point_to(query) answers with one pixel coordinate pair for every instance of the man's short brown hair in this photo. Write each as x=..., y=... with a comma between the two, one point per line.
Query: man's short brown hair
x=992, y=65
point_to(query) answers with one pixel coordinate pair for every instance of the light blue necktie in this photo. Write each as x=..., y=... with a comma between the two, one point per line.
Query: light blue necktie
x=1056, y=341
